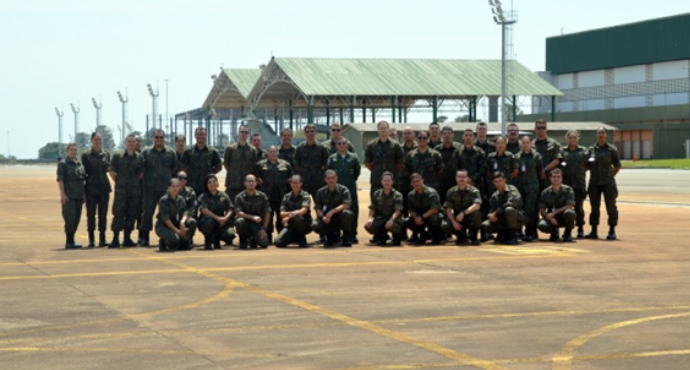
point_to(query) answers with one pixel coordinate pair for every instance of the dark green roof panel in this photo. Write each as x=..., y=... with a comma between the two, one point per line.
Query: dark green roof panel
x=652, y=41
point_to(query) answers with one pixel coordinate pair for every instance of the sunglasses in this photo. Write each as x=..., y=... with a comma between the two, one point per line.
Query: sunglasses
x=335, y=129
x=540, y=128
x=244, y=132
x=422, y=138
x=342, y=143
x=182, y=177
x=159, y=137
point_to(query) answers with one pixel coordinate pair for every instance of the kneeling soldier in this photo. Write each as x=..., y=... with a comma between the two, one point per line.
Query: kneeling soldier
x=253, y=216
x=174, y=227
x=216, y=210
x=425, y=217
x=332, y=204
x=385, y=211
x=506, y=215
x=557, y=208
x=463, y=204
x=295, y=211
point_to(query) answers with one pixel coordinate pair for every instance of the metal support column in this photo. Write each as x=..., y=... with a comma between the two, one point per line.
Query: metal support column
x=291, y=115
x=434, y=107
x=393, y=99
x=364, y=110
x=373, y=115
x=310, y=110
x=352, y=108
x=553, y=108
x=514, y=108
x=342, y=116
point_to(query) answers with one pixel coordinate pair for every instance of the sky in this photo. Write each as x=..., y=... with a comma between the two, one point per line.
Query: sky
x=57, y=53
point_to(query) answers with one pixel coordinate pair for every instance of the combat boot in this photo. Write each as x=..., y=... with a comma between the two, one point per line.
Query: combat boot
x=473, y=237
x=612, y=233
x=128, y=242
x=592, y=234
x=243, y=242
x=382, y=239
x=115, y=243
x=397, y=238
x=580, y=232
x=69, y=243
x=568, y=236
x=101, y=239
x=302, y=241
x=91, y=239
x=460, y=238
x=554, y=235
x=144, y=236
x=510, y=238
x=208, y=243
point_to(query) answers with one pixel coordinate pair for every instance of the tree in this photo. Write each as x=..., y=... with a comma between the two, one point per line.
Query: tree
x=5, y=160
x=51, y=152
x=465, y=118
x=107, y=135
x=441, y=119
x=83, y=140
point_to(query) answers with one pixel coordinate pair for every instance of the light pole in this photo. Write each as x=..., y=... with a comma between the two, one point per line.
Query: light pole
x=98, y=110
x=75, y=110
x=154, y=110
x=123, y=100
x=59, y=114
x=500, y=18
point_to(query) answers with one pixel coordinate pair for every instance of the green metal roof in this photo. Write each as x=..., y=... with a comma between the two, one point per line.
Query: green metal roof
x=410, y=77
x=656, y=40
x=231, y=88
x=244, y=79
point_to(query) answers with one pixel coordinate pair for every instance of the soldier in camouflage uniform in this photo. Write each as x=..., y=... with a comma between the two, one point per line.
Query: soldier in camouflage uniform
x=500, y=160
x=506, y=216
x=434, y=134
x=527, y=182
x=175, y=227
x=346, y=165
x=403, y=184
x=96, y=162
x=295, y=211
x=332, y=204
x=180, y=147
x=426, y=162
x=549, y=149
x=556, y=205
x=574, y=167
x=256, y=143
x=473, y=160
x=482, y=140
x=239, y=161
x=199, y=161
x=381, y=155
x=463, y=210
x=216, y=215
x=385, y=212
x=127, y=171
x=287, y=150
x=332, y=143
x=425, y=212
x=603, y=165
x=310, y=161
x=160, y=165
x=450, y=152
x=513, y=144
x=273, y=175
x=188, y=194
x=70, y=178
x=253, y=216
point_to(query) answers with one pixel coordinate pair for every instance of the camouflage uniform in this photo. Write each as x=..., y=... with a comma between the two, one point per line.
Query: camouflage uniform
x=199, y=163
x=98, y=188
x=310, y=163
x=574, y=173
x=603, y=160
x=459, y=200
x=333, y=148
x=451, y=163
x=127, y=203
x=527, y=182
x=173, y=210
x=487, y=146
x=473, y=160
x=508, y=208
x=403, y=184
x=348, y=169
x=549, y=149
x=551, y=200
x=505, y=163
x=274, y=183
x=239, y=161
x=287, y=155
x=219, y=205
x=297, y=227
x=514, y=148
x=159, y=167
x=419, y=204
x=383, y=156
x=261, y=155
x=257, y=205
x=429, y=164
x=72, y=174
x=384, y=206
x=327, y=200
x=189, y=196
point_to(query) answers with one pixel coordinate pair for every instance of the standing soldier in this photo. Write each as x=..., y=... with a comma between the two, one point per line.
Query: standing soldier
x=513, y=144
x=527, y=182
x=175, y=227
x=180, y=147
x=501, y=160
x=425, y=212
x=556, y=208
x=482, y=140
x=253, y=216
x=426, y=162
x=574, y=172
x=199, y=161
x=549, y=149
x=473, y=160
x=346, y=165
x=96, y=162
x=70, y=178
x=295, y=212
x=332, y=204
x=434, y=134
x=160, y=165
x=604, y=165
x=385, y=212
x=332, y=143
x=463, y=210
x=137, y=148
x=216, y=215
x=450, y=153
x=310, y=161
x=239, y=161
x=256, y=143
x=273, y=175
x=287, y=150
x=403, y=184
x=127, y=171
x=506, y=216
x=381, y=155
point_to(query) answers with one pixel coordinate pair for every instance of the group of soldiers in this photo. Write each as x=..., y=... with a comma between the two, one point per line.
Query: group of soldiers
x=432, y=187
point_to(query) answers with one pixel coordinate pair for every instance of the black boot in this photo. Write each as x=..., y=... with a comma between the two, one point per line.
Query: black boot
x=101, y=239
x=460, y=238
x=91, y=239
x=128, y=242
x=580, y=232
x=527, y=237
x=554, y=235
x=473, y=237
x=244, y=243
x=144, y=236
x=612, y=233
x=302, y=241
x=116, y=240
x=382, y=239
x=208, y=243
x=592, y=234
x=397, y=239
x=568, y=235
x=69, y=243
x=510, y=237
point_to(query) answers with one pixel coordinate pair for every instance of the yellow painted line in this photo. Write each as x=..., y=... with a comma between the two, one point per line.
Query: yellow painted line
x=618, y=356
x=129, y=350
x=563, y=359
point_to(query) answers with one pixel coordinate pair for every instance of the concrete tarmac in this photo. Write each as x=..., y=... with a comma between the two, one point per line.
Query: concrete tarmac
x=593, y=304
